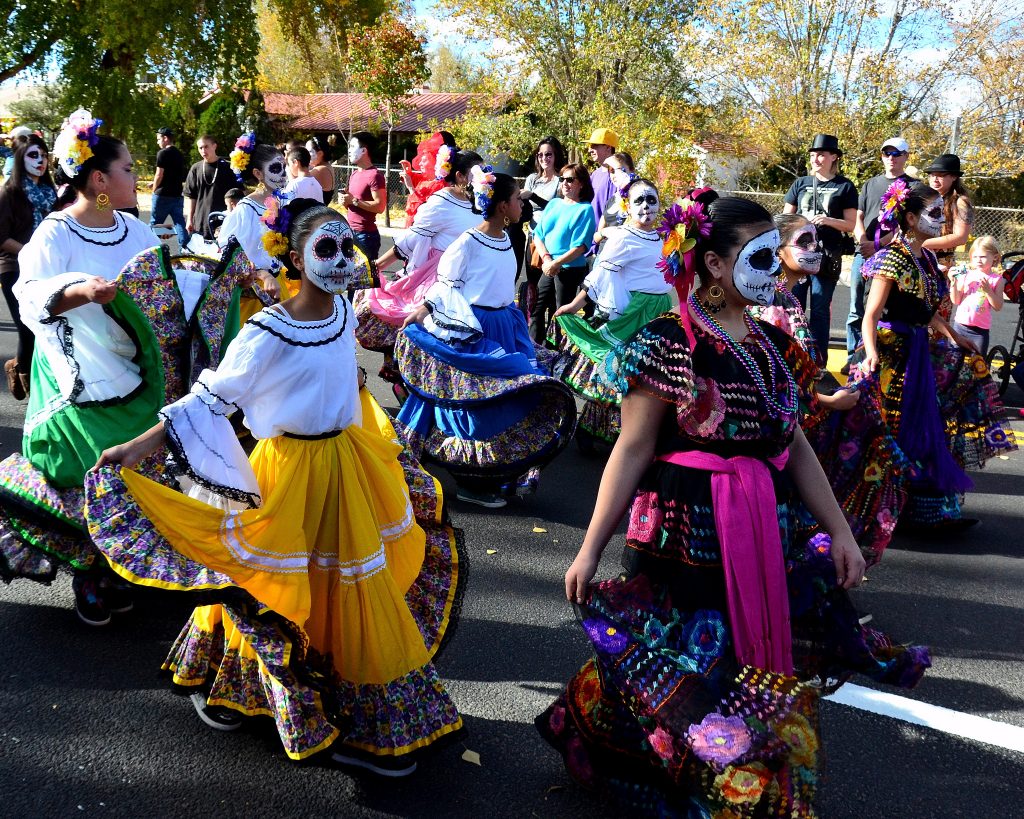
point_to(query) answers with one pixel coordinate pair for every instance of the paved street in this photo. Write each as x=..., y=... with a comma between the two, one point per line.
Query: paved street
x=88, y=727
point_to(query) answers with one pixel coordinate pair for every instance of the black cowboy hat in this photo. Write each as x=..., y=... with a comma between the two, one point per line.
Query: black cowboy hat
x=826, y=142
x=945, y=163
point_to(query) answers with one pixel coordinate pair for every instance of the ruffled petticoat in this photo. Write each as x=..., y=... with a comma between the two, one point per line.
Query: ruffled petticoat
x=330, y=627
x=381, y=311
x=663, y=718
x=584, y=348
x=483, y=410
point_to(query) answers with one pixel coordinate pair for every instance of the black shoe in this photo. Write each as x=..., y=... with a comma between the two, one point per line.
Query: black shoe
x=390, y=766
x=845, y=369
x=89, y=604
x=218, y=718
x=118, y=595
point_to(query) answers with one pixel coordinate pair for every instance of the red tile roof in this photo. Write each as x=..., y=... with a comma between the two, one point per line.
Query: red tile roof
x=344, y=112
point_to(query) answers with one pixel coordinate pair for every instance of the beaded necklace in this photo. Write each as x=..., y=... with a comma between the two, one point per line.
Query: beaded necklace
x=767, y=389
x=929, y=284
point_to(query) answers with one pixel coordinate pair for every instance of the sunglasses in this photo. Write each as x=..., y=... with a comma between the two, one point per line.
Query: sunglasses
x=547, y=155
x=890, y=152
x=567, y=180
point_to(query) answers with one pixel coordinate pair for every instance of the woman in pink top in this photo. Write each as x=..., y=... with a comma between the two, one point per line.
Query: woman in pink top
x=977, y=291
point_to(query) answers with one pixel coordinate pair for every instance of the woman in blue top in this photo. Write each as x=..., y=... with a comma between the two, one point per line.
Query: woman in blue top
x=562, y=238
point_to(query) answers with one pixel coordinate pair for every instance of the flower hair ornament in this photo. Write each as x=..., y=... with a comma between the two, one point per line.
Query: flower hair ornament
x=77, y=138
x=892, y=204
x=277, y=220
x=681, y=226
x=623, y=203
x=482, y=179
x=443, y=163
x=240, y=156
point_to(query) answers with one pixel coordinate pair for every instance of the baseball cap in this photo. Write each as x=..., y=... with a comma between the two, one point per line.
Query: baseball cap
x=21, y=131
x=604, y=136
x=165, y=131
x=899, y=143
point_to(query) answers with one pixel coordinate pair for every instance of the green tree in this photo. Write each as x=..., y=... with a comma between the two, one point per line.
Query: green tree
x=451, y=73
x=220, y=120
x=390, y=61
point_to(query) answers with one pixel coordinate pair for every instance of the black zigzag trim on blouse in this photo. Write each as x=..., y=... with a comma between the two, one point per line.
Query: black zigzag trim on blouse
x=475, y=235
x=118, y=218
x=646, y=235
x=224, y=401
x=451, y=199
x=181, y=461
x=293, y=342
x=255, y=206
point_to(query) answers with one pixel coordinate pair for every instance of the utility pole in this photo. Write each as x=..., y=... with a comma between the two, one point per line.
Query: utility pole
x=954, y=140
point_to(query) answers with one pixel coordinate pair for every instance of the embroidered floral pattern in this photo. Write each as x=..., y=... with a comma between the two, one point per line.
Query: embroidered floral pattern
x=719, y=740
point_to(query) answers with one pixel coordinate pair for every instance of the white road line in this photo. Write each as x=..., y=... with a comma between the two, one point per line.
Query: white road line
x=968, y=726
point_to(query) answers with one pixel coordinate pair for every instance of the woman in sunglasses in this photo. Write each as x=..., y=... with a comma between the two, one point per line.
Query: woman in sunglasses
x=25, y=199
x=865, y=467
x=936, y=396
x=562, y=239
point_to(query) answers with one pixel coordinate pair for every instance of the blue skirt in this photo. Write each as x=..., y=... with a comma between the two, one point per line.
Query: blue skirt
x=484, y=409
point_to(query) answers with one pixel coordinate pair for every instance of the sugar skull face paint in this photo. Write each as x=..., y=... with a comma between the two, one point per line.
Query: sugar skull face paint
x=35, y=161
x=803, y=251
x=330, y=257
x=355, y=151
x=274, y=175
x=756, y=266
x=644, y=205
x=932, y=218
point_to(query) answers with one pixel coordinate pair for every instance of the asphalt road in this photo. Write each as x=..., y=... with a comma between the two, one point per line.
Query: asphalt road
x=88, y=727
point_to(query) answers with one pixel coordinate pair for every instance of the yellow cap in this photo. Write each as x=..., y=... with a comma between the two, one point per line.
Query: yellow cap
x=604, y=136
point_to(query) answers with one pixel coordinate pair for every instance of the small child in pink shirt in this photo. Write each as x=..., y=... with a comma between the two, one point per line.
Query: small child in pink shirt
x=977, y=290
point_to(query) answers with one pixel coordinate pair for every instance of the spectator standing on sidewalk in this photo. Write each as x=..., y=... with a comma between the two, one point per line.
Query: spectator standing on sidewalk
x=207, y=182
x=167, y=185
x=367, y=194
x=895, y=152
x=603, y=143
x=828, y=200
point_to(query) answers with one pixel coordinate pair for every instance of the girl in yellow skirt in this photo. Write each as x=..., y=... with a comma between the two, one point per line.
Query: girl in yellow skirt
x=336, y=576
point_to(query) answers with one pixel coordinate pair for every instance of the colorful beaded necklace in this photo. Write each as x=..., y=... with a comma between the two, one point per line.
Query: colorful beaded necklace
x=767, y=389
x=929, y=283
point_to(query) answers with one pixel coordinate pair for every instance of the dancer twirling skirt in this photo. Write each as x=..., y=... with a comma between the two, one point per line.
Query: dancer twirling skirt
x=335, y=597
x=479, y=402
x=865, y=466
x=628, y=289
x=96, y=371
x=445, y=216
x=712, y=650
x=936, y=395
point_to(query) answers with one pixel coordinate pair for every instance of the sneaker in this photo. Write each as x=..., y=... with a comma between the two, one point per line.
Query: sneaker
x=118, y=595
x=485, y=499
x=15, y=381
x=89, y=604
x=390, y=766
x=218, y=718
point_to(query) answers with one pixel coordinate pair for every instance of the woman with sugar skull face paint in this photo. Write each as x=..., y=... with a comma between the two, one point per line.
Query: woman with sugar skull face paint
x=265, y=167
x=936, y=394
x=479, y=400
x=25, y=199
x=328, y=524
x=443, y=218
x=845, y=427
x=627, y=289
x=722, y=485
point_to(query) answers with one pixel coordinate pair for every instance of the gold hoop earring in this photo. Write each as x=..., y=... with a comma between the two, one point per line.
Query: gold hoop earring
x=102, y=201
x=715, y=299
x=507, y=221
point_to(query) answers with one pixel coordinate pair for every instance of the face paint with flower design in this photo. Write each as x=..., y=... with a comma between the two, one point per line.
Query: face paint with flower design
x=932, y=218
x=805, y=249
x=330, y=257
x=756, y=267
x=274, y=175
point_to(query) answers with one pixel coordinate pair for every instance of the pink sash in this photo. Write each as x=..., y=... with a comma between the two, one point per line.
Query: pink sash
x=752, y=558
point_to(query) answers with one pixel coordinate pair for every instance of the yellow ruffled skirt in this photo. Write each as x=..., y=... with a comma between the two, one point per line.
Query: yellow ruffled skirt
x=347, y=613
